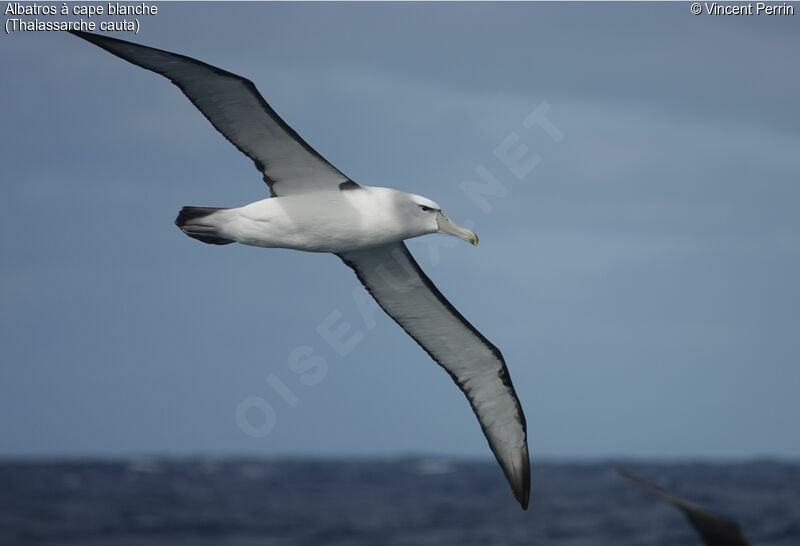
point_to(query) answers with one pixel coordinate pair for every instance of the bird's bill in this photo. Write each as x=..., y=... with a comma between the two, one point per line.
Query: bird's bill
x=446, y=225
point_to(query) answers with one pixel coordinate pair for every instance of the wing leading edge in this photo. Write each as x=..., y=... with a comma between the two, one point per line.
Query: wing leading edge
x=236, y=109
x=405, y=293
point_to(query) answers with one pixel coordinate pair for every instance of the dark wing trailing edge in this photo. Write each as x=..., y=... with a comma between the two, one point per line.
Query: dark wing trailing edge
x=401, y=288
x=236, y=109
x=715, y=530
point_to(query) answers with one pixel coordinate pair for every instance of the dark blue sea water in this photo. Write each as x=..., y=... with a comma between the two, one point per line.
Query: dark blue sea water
x=406, y=502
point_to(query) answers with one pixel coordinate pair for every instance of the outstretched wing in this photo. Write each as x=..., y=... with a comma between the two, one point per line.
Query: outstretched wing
x=715, y=530
x=402, y=289
x=237, y=110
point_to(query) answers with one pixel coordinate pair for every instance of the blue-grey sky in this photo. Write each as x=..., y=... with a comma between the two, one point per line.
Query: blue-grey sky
x=640, y=279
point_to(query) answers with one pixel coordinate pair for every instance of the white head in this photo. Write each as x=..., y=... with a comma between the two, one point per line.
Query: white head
x=425, y=216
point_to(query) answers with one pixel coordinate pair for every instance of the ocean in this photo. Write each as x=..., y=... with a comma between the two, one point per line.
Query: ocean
x=419, y=502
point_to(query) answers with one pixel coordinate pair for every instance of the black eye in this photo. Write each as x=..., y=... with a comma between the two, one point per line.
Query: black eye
x=424, y=208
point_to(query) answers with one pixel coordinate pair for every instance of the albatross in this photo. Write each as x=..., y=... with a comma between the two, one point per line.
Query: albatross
x=315, y=208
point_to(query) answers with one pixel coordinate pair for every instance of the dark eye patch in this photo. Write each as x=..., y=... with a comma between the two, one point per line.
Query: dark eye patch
x=424, y=208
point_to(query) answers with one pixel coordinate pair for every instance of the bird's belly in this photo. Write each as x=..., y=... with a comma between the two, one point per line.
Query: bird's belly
x=272, y=227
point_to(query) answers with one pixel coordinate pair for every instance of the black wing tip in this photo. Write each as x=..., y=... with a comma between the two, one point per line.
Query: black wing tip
x=89, y=36
x=104, y=42
x=524, y=498
x=518, y=474
x=522, y=490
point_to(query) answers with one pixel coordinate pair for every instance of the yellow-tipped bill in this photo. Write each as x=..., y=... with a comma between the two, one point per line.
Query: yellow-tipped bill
x=446, y=225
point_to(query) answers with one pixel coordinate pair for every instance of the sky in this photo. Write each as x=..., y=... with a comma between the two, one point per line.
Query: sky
x=631, y=170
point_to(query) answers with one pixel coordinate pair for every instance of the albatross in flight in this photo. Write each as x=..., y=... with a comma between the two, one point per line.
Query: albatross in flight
x=316, y=208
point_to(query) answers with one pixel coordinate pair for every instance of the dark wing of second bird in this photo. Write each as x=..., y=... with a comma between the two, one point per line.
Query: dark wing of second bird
x=715, y=530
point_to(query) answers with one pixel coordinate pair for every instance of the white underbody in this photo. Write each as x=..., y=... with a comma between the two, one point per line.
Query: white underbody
x=328, y=221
